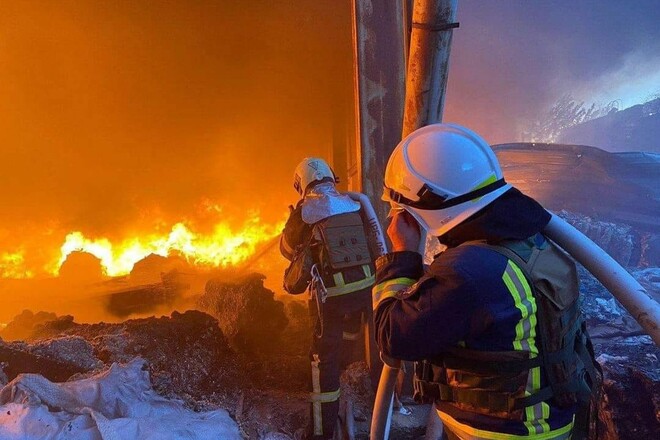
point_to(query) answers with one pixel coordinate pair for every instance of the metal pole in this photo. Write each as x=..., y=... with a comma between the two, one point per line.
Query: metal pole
x=428, y=62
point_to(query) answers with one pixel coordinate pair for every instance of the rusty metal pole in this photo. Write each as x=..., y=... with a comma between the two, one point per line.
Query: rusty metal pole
x=428, y=62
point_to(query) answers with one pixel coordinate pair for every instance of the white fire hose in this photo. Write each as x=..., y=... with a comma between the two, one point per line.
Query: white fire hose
x=615, y=278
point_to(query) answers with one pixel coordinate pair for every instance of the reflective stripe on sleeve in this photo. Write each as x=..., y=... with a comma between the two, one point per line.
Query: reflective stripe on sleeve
x=389, y=289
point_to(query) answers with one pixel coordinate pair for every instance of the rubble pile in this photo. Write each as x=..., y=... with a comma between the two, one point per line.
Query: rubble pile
x=628, y=357
x=187, y=354
x=263, y=385
x=271, y=337
x=24, y=324
x=620, y=241
x=246, y=311
x=258, y=368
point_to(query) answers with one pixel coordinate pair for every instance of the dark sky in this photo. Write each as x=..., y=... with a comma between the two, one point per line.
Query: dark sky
x=121, y=117
x=511, y=59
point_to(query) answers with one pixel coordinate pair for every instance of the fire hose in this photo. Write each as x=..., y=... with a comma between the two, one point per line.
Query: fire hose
x=615, y=278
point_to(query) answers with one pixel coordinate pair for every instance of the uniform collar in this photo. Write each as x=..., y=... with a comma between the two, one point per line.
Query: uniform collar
x=512, y=216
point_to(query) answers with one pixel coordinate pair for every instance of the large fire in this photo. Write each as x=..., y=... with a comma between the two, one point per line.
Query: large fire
x=223, y=246
x=12, y=265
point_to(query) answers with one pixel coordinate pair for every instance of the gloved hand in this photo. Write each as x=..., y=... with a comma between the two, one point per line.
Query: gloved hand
x=404, y=232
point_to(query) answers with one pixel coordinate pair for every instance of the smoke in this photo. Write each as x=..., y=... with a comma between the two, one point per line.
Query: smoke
x=123, y=118
x=615, y=85
x=511, y=61
x=120, y=119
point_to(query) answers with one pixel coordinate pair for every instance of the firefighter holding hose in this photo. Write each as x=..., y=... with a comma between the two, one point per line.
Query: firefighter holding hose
x=493, y=324
x=331, y=241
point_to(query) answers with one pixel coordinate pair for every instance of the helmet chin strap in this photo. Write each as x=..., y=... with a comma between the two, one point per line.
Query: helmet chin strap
x=428, y=200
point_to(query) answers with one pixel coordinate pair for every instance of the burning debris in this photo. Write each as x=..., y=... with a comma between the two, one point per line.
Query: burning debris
x=247, y=312
x=140, y=299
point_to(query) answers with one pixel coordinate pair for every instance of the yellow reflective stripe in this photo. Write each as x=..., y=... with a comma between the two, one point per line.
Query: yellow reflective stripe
x=341, y=288
x=465, y=432
x=389, y=289
x=517, y=345
x=529, y=298
x=367, y=270
x=351, y=287
x=525, y=302
x=330, y=396
x=339, y=279
x=488, y=181
x=538, y=414
x=514, y=279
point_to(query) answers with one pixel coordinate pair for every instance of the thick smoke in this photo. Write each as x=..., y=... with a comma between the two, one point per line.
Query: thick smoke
x=512, y=60
x=122, y=118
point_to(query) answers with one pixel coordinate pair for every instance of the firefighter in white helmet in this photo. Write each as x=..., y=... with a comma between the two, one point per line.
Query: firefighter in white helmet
x=332, y=255
x=494, y=322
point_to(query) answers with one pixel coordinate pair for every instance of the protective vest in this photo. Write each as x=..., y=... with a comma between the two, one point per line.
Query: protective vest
x=341, y=249
x=498, y=383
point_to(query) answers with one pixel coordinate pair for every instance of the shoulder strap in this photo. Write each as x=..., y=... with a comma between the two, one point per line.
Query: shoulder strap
x=524, y=253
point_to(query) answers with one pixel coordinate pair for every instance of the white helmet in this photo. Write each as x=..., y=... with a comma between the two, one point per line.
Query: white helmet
x=442, y=174
x=309, y=170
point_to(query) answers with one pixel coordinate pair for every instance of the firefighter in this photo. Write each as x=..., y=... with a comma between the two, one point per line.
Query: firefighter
x=496, y=358
x=331, y=251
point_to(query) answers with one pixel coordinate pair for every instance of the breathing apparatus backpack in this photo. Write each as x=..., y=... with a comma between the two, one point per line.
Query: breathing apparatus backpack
x=496, y=379
x=342, y=252
x=339, y=251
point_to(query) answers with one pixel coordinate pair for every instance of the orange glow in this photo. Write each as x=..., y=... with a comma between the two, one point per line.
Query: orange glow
x=12, y=265
x=224, y=246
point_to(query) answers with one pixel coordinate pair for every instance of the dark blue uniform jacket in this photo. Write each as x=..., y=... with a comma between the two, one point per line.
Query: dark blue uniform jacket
x=461, y=299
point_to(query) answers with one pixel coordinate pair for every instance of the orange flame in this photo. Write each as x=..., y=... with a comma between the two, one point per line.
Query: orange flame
x=12, y=265
x=223, y=247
